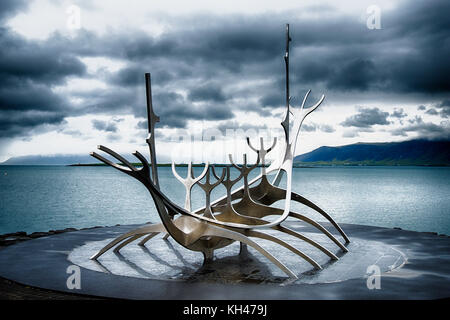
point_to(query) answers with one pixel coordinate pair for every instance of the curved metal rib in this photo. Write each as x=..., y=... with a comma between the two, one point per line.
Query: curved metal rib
x=306, y=239
x=117, y=156
x=258, y=210
x=267, y=194
x=142, y=230
x=221, y=232
x=261, y=235
x=303, y=200
x=319, y=227
x=131, y=239
x=147, y=238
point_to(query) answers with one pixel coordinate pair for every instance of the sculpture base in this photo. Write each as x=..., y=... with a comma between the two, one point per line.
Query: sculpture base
x=413, y=265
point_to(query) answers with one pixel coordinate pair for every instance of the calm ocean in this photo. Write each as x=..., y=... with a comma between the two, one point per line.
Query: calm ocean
x=40, y=198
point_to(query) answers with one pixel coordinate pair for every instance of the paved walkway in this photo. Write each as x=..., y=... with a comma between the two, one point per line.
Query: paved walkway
x=424, y=273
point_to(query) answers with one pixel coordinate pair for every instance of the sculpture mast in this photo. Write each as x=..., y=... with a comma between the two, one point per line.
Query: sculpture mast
x=152, y=119
x=285, y=122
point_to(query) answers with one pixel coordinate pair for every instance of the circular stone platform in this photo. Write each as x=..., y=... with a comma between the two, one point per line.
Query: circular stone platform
x=413, y=265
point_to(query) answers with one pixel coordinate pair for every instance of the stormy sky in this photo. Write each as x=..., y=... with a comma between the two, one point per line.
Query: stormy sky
x=217, y=67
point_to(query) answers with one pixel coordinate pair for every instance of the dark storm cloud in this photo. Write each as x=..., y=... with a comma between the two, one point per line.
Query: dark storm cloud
x=366, y=117
x=24, y=123
x=357, y=74
x=175, y=110
x=112, y=100
x=366, y=59
x=423, y=68
x=275, y=99
x=128, y=76
x=207, y=93
x=28, y=95
x=28, y=70
x=133, y=75
x=198, y=64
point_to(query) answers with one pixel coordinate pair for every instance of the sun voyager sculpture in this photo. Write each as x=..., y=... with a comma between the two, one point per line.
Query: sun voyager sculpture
x=238, y=215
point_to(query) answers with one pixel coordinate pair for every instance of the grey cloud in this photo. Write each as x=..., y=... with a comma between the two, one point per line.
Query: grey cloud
x=25, y=123
x=416, y=119
x=142, y=125
x=104, y=125
x=23, y=61
x=366, y=117
x=309, y=127
x=175, y=110
x=234, y=125
x=207, y=93
x=426, y=130
x=313, y=127
x=432, y=112
x=23, y=96
x=357, y=74
x=133, y=75
x=28, y=70
x=399, y=113
x=444, y=108
x=206, y=55
x=274, y=99
x=112, y=137
x=327, y=128
x=350, y=134
x=338, y=51
x=112, y=100
x=421, y=107
x=10, y=7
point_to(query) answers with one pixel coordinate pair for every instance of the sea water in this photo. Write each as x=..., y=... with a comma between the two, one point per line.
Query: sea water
x=41, y=198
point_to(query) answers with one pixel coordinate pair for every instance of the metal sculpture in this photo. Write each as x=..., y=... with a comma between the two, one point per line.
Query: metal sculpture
x=223, y=221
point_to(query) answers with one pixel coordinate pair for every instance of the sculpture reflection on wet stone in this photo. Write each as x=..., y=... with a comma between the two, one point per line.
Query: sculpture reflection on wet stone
x=237, y=216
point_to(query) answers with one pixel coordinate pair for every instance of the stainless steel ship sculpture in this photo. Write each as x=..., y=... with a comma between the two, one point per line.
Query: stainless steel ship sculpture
x=224, y=221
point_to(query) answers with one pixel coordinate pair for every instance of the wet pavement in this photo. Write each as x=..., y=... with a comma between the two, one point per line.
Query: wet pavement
x=414, y=265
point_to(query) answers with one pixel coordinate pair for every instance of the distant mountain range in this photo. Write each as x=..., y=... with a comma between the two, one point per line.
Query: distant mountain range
x=413, y=152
